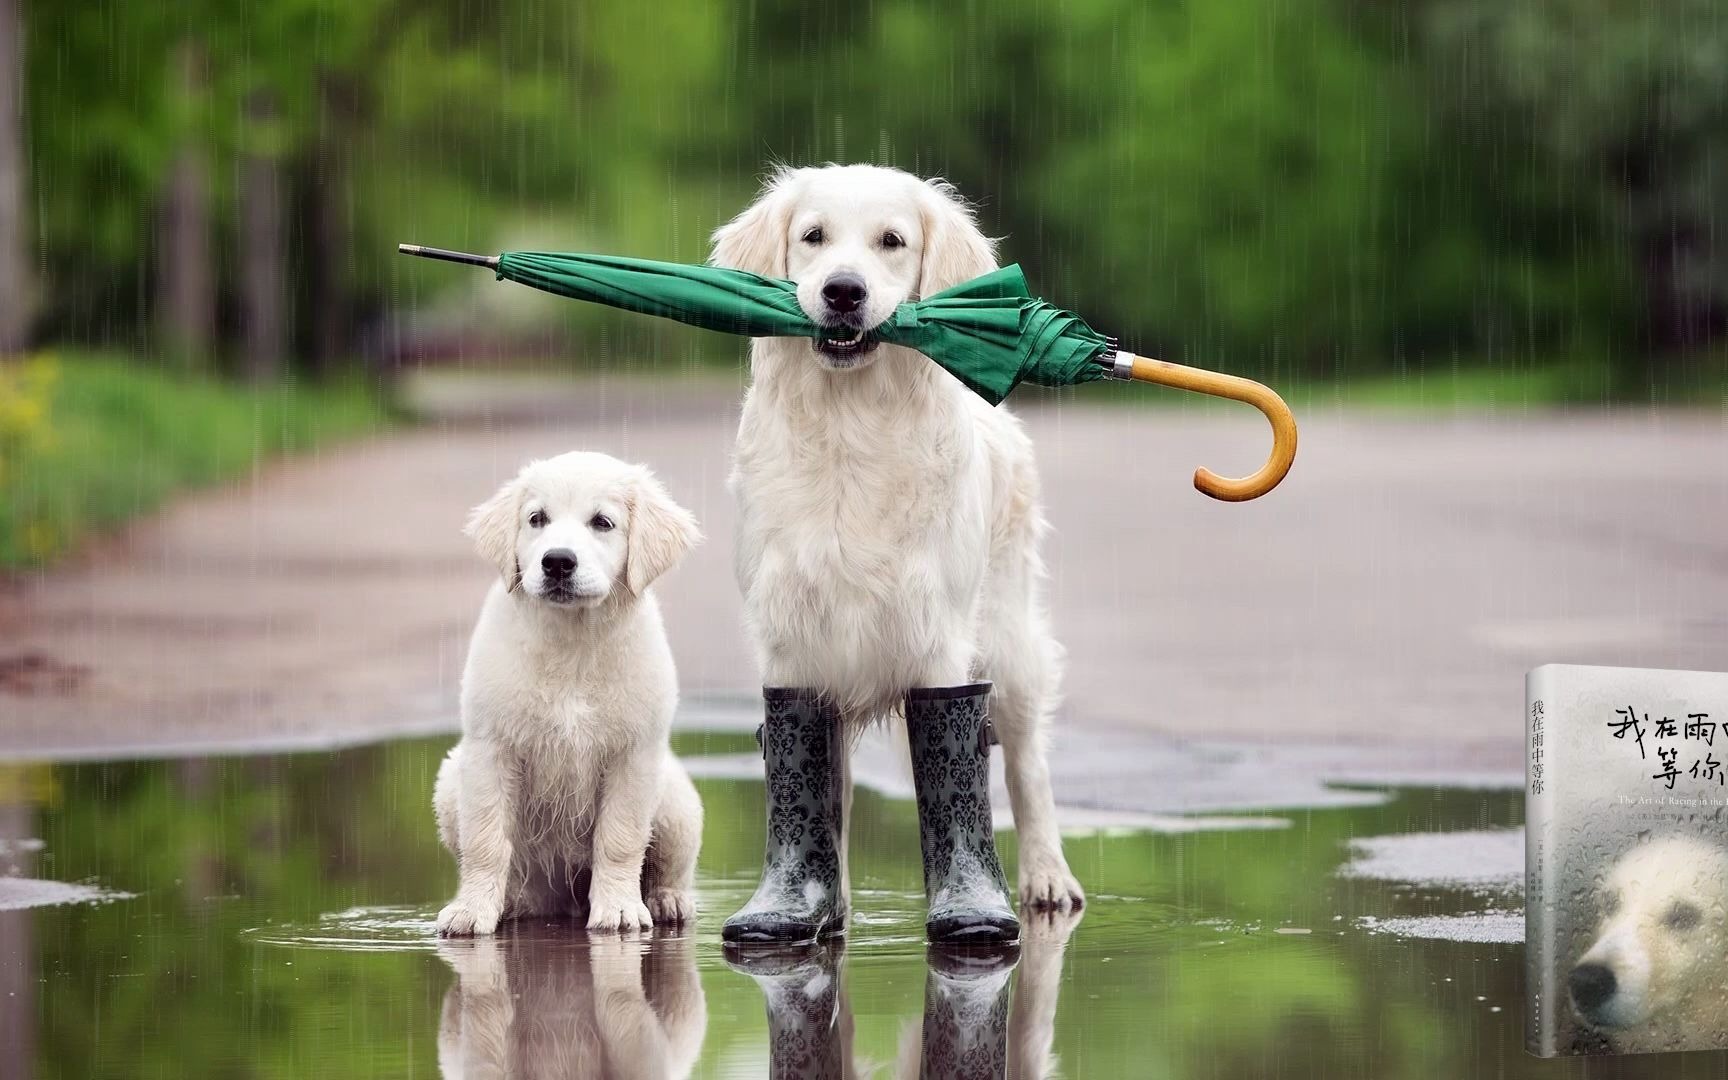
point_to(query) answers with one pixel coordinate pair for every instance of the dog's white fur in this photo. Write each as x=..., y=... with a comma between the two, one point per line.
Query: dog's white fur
x=888, y=517
x=1665, y=938
x=563, y=794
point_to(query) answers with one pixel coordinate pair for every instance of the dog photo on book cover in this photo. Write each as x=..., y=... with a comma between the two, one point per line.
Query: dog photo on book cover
x=1627, y=849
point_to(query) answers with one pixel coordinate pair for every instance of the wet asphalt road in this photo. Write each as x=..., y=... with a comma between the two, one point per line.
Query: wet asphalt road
x=1379, y=609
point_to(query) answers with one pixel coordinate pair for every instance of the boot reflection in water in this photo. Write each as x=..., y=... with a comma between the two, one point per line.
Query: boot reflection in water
x=988, y=1012
x=528, y=1004
x=809, y=1020
x=965, y=1033
x=974, y=1027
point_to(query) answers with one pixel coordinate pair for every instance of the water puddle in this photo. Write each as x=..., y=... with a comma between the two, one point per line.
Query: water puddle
x=360, y=929
x=1490, y=927
x=1464, y=859
x=19, y=893
x=281, y=908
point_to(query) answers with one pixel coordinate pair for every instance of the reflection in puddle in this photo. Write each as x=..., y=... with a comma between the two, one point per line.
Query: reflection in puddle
x=988, y=1013
x=558, y=1002
x=282, y=926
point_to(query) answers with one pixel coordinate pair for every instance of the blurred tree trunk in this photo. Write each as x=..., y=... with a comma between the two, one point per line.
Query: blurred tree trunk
x=263, y=251
x=329, y=221
x=16, y=289
x=186, y=279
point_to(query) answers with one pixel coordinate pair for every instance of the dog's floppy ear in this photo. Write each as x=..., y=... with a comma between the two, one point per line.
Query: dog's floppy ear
x=755, y=240
x=954, y=248
x=492, y=526
x=661, y=532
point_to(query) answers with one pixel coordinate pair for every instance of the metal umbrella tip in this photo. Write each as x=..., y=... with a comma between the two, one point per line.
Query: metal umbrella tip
x=448, y=256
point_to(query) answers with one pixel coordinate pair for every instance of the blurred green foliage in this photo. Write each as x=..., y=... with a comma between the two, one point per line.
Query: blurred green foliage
x=1322, y=188
x=109, y=439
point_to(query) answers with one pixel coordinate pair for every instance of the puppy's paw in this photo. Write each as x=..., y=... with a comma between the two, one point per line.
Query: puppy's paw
x=671, y=907
x=624, y=914
x=464, y=918
x=1047, y=884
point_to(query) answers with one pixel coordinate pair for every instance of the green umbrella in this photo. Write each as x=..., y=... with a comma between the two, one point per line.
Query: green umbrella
x=990, y=333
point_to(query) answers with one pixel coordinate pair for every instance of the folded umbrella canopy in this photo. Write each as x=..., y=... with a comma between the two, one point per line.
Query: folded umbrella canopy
x=990, y=333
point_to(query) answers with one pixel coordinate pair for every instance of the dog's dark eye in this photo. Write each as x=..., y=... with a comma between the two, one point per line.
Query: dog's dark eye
x=813, y=236
x=600, y=523
x=538, y=519
x=1682, y=916
x=892, y=240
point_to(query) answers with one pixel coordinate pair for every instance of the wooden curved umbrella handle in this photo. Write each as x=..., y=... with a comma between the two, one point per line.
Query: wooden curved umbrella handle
x=1146, y=369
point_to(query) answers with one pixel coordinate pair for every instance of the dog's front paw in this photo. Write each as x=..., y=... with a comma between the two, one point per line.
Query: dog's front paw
x=671, y=907
x=618, y=915
x=1048, y=884
x=464, y=918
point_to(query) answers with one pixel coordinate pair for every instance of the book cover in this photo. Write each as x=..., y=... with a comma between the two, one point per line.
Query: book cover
x=1626, y=846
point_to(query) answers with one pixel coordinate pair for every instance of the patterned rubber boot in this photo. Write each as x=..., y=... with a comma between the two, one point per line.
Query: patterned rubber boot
x=963, y=882
x=807, y=1023
x=966, y=1014
x=799, y=899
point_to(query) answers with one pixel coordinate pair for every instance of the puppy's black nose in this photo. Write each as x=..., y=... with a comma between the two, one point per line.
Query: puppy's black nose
x=558, y=563
x=844, y=292
x=1591, y=985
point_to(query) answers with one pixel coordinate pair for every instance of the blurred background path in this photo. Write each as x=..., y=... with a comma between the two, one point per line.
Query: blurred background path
x=1389, y=596
x=200, y=292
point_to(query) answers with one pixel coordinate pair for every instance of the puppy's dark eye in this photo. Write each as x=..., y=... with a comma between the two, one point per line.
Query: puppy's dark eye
x=600, y=523
x=538, y=519
x=893, y=240
x=813, y=235
x=1682, y=916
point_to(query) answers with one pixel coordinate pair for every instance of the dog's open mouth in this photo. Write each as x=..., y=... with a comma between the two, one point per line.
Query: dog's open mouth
x=844, y=343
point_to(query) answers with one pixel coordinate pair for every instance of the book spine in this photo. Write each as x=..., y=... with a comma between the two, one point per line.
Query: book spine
x=1541, y=1003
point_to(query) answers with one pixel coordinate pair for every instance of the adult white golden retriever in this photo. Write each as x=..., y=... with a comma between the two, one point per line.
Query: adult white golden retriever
x=563, y=796
x=888, y=521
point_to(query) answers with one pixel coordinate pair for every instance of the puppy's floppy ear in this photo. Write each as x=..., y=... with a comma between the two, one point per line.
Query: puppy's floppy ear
x=755, y=240
x=954, y=248
x=492, y=526
x=661, y=532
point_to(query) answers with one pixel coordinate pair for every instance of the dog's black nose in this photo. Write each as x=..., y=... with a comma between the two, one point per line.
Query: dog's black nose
x=844, y=292
x=1591, y=985
x=558, y=563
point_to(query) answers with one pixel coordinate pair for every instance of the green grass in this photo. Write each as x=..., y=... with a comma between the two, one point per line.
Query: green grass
x=117, y=437
x=1466, y=387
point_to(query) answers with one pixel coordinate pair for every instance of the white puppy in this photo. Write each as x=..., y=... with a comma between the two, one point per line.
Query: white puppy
x=563, y=794
x=888, y=517
x=1656, y=978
